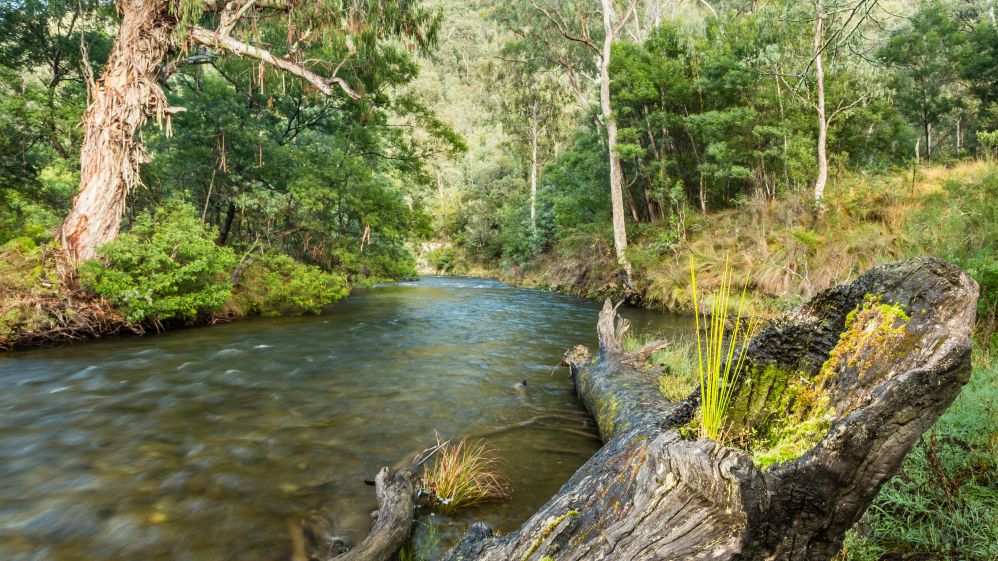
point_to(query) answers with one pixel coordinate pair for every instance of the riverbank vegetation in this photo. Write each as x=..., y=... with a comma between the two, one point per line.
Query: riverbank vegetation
x=463, y=474
x=265, y=158
x=259, y=194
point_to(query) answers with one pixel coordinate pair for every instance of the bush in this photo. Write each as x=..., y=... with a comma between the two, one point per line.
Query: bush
x=167, y=266
x=441, y=259
x=273, y=284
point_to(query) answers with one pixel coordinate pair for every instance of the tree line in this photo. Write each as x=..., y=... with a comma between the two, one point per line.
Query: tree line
x=698, y=106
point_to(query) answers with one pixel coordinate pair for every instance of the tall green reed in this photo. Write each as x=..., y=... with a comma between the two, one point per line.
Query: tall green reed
x=717, y=365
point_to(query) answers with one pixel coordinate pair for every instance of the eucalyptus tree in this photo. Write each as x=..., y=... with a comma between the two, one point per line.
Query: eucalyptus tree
x=578, y=38
x=836, y=35
x=923, y=53
x=333, y=46
x=534, y=106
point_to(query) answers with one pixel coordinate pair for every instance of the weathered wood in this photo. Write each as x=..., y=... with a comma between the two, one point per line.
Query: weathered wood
x=651, y=494
x=395, y=512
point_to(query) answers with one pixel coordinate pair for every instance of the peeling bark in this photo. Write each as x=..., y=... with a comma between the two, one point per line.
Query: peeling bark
x=126, y=96
x=651, y=494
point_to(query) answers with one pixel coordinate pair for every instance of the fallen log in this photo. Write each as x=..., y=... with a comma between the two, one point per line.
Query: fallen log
x=653, y=494
x=396, y=495
x=396, y=507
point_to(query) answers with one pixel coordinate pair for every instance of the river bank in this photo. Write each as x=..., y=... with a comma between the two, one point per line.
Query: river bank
x=785, y=254
x=782, y=250
x=40, y=306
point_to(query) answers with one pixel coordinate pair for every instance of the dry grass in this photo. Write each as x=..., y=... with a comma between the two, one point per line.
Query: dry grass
x=784, y=252
x=464, y=474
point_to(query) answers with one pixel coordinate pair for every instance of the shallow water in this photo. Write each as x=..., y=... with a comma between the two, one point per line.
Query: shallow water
x=204, y=444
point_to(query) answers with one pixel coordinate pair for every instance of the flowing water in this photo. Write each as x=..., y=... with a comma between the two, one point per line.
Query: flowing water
x=207, y=444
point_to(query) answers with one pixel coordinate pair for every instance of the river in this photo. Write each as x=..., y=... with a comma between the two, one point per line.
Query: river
x=202, y=444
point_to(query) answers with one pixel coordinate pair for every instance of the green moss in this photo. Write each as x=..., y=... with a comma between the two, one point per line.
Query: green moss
x=606, y=415
x=874, y=333
x=790, y=420
x=791, y=440
x=548, y=528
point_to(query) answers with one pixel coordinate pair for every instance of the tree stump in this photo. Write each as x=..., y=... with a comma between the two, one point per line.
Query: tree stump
x=652, y=494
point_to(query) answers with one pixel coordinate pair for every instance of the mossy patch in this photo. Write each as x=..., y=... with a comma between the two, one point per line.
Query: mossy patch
x=874, y=334
x=606, y=415
x=550, y=527
x=783, y=414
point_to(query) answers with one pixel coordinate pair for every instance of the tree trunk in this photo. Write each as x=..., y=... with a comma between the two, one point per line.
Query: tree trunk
x=616, y=174
x=652, y=494
x=959, y=135
x=928, y=141
x=533, y=168
x=223, y=232
x=126, y=97
x=819, y=72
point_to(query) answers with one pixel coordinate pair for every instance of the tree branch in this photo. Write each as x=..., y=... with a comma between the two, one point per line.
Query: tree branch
x=559, y=23
x=226, y=42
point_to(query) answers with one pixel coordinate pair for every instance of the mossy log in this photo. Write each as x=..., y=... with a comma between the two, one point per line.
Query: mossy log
x=652, y=494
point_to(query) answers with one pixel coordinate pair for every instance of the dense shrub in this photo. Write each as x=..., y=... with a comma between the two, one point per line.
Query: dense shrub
x=273, y=284
x=441, y=259
x=167, y=266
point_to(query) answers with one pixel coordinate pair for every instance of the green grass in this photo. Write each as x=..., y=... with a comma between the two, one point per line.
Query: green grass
x=943, y=503
x=423, y=544
x=678, y=377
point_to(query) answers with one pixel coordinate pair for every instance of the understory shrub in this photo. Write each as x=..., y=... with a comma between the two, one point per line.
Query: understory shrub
x=27, y=275
x=167, y=266
x=273, y=284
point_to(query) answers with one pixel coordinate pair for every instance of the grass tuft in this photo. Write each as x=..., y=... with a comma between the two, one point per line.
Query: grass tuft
x=464, y=474
x=717, y=366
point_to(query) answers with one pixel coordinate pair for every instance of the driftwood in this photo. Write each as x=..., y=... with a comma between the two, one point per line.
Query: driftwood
x=652, y=494
x=396, y=507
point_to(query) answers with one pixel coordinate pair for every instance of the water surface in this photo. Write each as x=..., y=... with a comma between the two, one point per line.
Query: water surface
x=204, y=444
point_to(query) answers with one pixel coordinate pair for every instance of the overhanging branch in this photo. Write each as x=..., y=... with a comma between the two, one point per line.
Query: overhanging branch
x=237, y=47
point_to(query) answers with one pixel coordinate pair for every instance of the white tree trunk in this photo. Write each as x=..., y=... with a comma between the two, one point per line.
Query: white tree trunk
x=819, y=71
x=616, y=175
x=126, y=97
x=533, y=168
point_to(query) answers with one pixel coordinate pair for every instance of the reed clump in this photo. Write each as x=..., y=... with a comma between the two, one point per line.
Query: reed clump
x=464, y=474
x=721, y=358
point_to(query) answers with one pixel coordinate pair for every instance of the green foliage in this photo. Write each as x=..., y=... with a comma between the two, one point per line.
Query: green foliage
x=441, y=259
x=989, y=143
x=28, y=279
x=167, y=266
x=272, y=284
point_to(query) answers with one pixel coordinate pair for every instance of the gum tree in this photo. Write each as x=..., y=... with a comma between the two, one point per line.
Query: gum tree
x=326, y=44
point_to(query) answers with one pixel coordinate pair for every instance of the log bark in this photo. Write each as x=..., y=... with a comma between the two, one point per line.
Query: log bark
x=652, y=494
x=395, y=513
